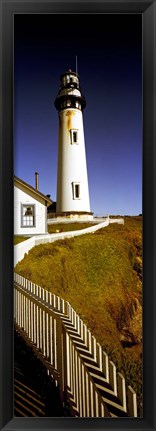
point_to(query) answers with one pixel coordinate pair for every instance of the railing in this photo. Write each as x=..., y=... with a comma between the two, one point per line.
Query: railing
x=86, y=377
x=22, y=248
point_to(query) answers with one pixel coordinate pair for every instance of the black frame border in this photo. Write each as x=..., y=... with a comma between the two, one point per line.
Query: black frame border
x=148, y=10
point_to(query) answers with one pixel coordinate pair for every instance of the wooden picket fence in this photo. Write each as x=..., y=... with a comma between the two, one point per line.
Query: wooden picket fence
x=87, y=379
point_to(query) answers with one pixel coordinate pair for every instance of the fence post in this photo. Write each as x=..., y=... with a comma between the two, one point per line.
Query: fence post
x=61, y=357
x=105, y=364
x=132, y=402
x=112, y=377
x=122, y=390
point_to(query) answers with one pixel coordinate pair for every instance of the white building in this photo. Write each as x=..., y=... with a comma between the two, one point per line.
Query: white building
x=72, y=180
x=30, y=209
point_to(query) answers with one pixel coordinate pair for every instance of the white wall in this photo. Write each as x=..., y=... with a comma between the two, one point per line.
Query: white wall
x=72, y=165
x=21, y=197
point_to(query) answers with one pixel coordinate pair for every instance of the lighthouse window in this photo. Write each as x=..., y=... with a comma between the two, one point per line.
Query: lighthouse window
x=27, y=215
x=74, y=136
x=76, y=190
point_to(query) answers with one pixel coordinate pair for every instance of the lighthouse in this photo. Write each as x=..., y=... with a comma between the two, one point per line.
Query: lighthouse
x=72, y=179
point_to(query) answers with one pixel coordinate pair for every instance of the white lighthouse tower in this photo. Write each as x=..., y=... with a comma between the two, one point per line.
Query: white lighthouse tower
x=72, y=180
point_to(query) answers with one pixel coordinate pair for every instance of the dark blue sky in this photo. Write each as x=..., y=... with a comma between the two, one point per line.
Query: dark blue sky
x=109, y=51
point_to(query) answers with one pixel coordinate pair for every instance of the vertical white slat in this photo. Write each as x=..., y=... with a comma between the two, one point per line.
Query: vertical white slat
x=43, y=294
x=31, y=287
x=40, y=291
x=74, y=319
x=73, y=374
x=51, y=341
x=55, y=343
x=112, y=377
x=76, y=380
x=28, y=284
x=34, y=317
x=89, y=341
x=121, y=387
x=40, y=319
x=71, y=368
x=44, y=335
x=87, y=394
x=102, y=411
x=58, y=303
x=17, y=309
x=99, y=356
x=20, y=318
x=32, y=321
x=46, y=296
x=22, y=307
x=29, y=318
x=54, y=300
x=22, y=310
x=100, y=406
x=85, y=334
x=97, y=404
x=15, y=304
x=68, y=360
x=77, y=323
x=83, y=390
x=105, y=365
x=37, y=327
x=72, y=315
x=132, y=402
x=92, y=399
x=47, y=334
x=50, y=298
x=81, y=328
x=24, y=314
x=62, y=306
x=94, y=353
x=80, y=386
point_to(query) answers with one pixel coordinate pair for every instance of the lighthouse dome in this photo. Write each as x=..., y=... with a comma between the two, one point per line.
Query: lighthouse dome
x=69, y=92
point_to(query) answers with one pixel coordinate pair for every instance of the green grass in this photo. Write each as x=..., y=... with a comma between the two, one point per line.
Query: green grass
x=66, y=227
x=18, y=239
x=100, y=275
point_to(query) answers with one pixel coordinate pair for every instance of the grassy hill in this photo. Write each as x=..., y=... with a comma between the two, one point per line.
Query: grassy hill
x=100, y=275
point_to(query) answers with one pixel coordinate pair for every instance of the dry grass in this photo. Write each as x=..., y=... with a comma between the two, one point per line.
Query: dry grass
x=66, y=227
x=19, y=238
x=100, y=275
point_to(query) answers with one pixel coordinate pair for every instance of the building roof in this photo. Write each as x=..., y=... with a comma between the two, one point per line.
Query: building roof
x=28, y=187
